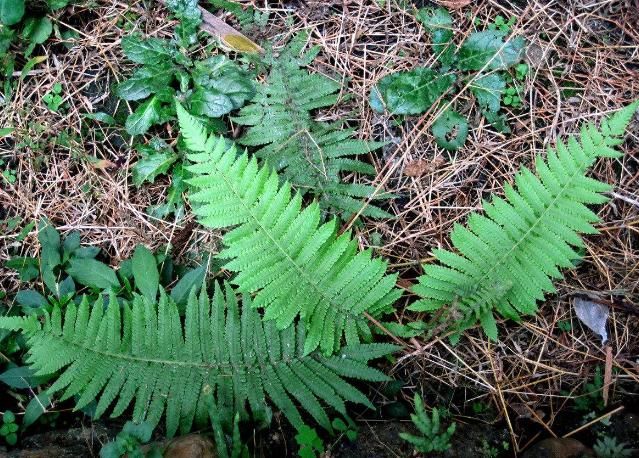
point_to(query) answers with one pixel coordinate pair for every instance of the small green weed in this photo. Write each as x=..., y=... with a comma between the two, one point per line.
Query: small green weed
x=489, y=61
x=311, y=445
x=9, y=428
x=433, y=438
x=54, y=99
x=128, y=442
x=608, y=447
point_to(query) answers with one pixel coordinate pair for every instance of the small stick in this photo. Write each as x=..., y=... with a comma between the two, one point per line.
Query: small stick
x=590, y=423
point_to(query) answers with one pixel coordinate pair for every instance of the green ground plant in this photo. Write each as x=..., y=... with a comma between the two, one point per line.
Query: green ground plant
x=129, y=442
x=608, y=447
x=432, y=436
x=281, y=252
x=22, y=25
x=312, y=155
x=506, y=258
x=483, y=61
x=210, y=88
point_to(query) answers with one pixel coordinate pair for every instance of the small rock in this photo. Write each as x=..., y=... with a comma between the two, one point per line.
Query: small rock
x=558, y=448
x=191, y=446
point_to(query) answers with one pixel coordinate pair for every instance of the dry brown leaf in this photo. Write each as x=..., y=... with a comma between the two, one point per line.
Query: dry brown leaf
x=453, y=4
x=421, y=167
x=103, y=164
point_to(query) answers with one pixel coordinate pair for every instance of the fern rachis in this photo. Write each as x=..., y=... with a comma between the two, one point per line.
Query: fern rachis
x=312, y=155
x=280, y=251
x=219, y=357
x=509, y=256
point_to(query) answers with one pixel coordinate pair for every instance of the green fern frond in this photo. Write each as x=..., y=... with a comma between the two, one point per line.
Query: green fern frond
x=312, y=155
x=508, y=256
x=281, y=251
x=220, y=357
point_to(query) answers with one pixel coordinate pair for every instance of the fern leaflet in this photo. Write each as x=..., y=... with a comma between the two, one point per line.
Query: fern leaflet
x=312, y=155
x=508, y=256
x=209, y=367
x=294, y=264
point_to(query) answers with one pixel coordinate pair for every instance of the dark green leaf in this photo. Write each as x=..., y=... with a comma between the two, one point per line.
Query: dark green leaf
x=145, y=81
x=145, y=272
x=101, y=116
x=92, y=273
x=145, y=116
x=210, y=102
x=141, y=431
x=11, y=11
x=487, y=50
x=86, y=252
x=148, y=168
x=28, y=268
x=410, y=92
x=6, y=37
x=450, y=130
x=192, y=279
x=439, y=23
x=150, y=51
x=30, y=298
x=497, y=120
x=36, y=407
x=71, y=243
x=20, y=377
x=49, y=239
x=221, y=86
x=488, y=89
x=37, y=30
x=66, y=287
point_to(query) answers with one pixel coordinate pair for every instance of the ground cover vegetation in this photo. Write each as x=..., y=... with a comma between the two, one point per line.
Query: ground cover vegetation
x=288, y=287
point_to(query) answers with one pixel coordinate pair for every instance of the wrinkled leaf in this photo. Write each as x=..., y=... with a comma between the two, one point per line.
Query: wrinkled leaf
x=11, y=11
x=488, y=50
x=594, y=315
x=410, y=92
x=221, y=86
x=148, y=168
x=488, y=89
x=92, y=273
x=439, y=23
x=145, y=272
x=145, y=81
x=150, y=51
x=450, y=130
x=145, y=116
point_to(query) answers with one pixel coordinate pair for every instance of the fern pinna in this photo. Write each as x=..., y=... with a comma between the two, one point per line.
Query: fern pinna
x=312, y=155
x=508, y=256
x=281, y=251
x=209, y=367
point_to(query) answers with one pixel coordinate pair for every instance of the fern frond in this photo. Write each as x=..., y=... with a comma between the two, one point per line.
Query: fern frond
x=508, y=256
x=281, y=252
x=221, y=357
x=312, y=155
